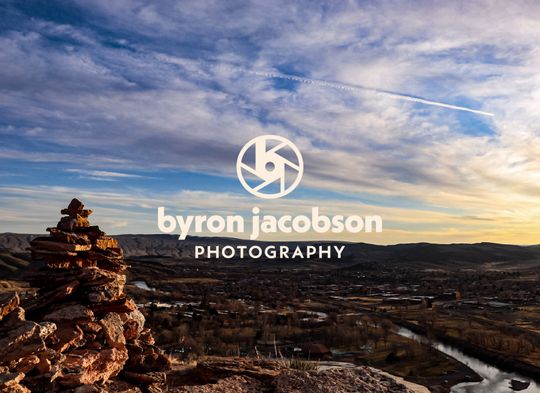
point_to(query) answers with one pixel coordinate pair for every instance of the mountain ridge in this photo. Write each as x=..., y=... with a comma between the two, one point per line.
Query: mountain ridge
x=421, y=254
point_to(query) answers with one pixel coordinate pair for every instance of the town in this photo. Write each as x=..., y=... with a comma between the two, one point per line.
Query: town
x=368, y=314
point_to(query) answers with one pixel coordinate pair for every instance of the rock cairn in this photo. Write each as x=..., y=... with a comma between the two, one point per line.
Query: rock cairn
x=87, y=331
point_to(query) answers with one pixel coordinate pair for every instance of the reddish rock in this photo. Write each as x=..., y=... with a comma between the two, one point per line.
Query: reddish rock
x=75, y=205
x=118, y=386
x=90, y=389
x=145, y=358
x=116, y=266
x=145, y=379
x=24, y=340
x=146, y=337
x=118, y=306
x=13, y=318
x=71, y=212
x=213, y=367
x=109, y=257
x=25, y=365
x=70, y=263
x=8, y=302
x=133, y=324
x=45, y=255
x=58, y=246
x=84, y=367
x=48, y=362
x=68, y=237
x=89, y=327
x=72, y=223
x=113, y=330
x=51, y=297
x=66, y=337
x=87, y=318
x=9, y=383
x=72, y=312
x=93, y=232
x=103, y=286
x=131, y=331
x=96, y=345
x=105, y=242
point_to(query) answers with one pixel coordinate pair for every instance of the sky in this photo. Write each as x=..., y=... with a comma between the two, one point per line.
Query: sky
x=425, y=113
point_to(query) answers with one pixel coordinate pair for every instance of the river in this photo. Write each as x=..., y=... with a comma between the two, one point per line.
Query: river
x=494, y=380
x=142, y=285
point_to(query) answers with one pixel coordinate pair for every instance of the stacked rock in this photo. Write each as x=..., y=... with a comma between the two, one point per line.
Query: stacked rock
x=90, y=331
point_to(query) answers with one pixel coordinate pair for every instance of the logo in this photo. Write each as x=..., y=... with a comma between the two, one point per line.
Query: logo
x=268, y=167
x=277, y=166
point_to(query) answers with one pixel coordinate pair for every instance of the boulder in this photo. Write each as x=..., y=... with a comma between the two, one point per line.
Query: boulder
x=105, y=242
x=133, y=324
x=113, y=330
x=73, y=312
x=144, y=358
x=66, y=337
x=68, y=237
x=71, y=223
x=89, y=327
x=119, y=306
x=85, y=367
x=58, y=246
x=9, y=301
x=26, y=364
x=24, y=340
x=53, y=296
x=74, y=206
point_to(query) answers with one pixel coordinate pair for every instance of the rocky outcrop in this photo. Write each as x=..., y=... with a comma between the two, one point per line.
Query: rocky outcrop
x=80, y=331
x=238, y=375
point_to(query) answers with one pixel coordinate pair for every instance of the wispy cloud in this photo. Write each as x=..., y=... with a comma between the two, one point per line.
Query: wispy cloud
x=135, y=211
x=103, y=175
x=389, y=101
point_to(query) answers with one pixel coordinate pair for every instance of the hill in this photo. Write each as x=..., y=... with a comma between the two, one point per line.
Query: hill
x=13, y=248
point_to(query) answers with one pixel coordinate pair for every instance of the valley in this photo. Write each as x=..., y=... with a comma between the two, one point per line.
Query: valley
x=482, y=300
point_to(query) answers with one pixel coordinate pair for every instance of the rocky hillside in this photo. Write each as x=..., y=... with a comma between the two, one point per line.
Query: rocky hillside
x=238, y=375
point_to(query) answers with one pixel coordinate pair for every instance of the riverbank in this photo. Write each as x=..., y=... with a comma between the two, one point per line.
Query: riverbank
x=412, y=361
x=503, y=362
x=494, y=380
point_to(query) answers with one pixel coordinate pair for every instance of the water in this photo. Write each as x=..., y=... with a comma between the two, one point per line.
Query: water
x=143, y=285
x=494, y=380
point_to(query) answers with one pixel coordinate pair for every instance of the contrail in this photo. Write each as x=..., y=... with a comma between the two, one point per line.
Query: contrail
x=329, y=84
x=358, y=88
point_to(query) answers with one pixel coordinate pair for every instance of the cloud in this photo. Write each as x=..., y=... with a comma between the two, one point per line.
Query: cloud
x=103, y=175
x=136, y=211
x=138, y=86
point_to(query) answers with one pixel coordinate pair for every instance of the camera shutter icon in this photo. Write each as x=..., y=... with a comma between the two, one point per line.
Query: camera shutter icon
x=277, y=161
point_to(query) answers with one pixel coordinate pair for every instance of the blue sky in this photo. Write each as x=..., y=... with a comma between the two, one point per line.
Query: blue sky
x=130, y=105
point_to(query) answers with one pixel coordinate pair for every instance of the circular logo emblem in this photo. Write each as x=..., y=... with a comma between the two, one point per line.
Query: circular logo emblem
x=276, y=166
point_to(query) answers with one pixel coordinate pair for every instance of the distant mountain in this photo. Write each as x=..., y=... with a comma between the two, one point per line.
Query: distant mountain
x=446, y=255
x=419, y=255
